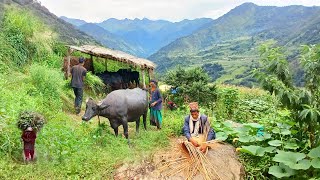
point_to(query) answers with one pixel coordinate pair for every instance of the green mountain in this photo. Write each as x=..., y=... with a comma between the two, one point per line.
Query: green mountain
x=152, y=35
x=233, y=39
x=66, y=32
x=110, y=40
x=76, y=22
x=143, y=36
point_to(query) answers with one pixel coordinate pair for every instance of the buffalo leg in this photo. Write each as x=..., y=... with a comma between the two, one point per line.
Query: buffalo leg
x=116, y=131
x=125, y=129
x=137, y=125
x=145, y=120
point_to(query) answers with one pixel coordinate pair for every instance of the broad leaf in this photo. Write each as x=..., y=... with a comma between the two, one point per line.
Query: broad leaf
x=246, y=138
x=316, y=163
x=264, y=137
x=281, y=171
x=315, y=152
x=253, y=150
x=270, y=149
x=303, y=164
x=285, y=132
x=222, y=136
x=242, y=130
x=275, y=143
x=289, y=145
x=288, y=158
x=253, y=125
x=276, y=131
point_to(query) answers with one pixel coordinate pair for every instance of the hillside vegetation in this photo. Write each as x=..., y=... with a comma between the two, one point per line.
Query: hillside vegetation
x=31, y=79
x=276, y=131
x=65, y=31
x=232, y=39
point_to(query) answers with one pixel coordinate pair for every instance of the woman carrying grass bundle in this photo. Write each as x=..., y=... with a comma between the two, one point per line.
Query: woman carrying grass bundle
x=29, y=138
x=30, y=123
x=155, y=105
x=197, y=128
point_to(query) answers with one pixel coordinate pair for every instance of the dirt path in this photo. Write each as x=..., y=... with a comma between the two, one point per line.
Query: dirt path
x=222, y=157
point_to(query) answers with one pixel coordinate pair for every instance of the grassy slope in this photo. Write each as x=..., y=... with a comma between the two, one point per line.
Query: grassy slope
x=66, y=32
x=66, y=147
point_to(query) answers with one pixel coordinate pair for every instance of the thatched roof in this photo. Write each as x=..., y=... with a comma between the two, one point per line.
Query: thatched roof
x=115, y=55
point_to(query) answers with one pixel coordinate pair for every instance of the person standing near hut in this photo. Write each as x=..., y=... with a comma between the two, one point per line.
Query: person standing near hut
x=155, y=105
x=78, y=73
x=29, y=138
x=197, y=128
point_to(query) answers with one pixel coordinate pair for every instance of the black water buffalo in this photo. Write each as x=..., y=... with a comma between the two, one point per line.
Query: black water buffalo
x=129, y=76
x=113, y=79
x=120, y=107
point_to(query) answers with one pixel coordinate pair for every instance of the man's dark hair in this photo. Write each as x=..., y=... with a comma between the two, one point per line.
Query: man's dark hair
x=81, y=60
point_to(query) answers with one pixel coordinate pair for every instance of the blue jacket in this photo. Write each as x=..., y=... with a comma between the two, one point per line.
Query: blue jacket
x=203, y=119
x=156, y=97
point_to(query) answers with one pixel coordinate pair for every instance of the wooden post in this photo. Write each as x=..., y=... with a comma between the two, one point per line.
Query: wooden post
x=106, y=64
x=143, y=78
x=91, y=57
x=151, y=75
x=67, y=74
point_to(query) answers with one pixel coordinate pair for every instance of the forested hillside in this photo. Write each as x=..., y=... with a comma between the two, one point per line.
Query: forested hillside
x=233, y=39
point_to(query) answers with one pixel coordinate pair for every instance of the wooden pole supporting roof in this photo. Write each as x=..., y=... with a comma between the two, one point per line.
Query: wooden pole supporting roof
x=115, y=55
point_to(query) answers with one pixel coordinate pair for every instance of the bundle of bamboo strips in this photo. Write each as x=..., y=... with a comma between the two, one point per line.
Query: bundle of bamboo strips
x=189, y=160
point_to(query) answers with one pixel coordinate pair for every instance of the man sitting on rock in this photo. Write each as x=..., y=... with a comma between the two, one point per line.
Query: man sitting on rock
x=197, y=128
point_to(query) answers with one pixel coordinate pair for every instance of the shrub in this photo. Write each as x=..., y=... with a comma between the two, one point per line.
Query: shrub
x=48, y=84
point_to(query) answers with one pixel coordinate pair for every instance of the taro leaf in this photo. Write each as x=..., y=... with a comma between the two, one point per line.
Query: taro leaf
x=289, y=145
x=253, y=125
x=264, y=137
x=222, y=136
x=242, y=130
x=228, y=124
x=253, y=150
x=303, y=164
x=283, y=126
x=275, y=143
x=315, y=152
x=276, y=131
x=281, y=171
x=270, y=149
x=316, y=163
x=246, y=138
x=288, y=158
x=267, y=136
x=285, y=132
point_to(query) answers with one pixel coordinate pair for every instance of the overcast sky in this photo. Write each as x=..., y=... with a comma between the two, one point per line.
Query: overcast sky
x=173, y=10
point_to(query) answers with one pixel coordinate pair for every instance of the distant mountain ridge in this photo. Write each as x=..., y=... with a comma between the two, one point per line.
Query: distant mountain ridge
x=76, y=22
x=232, y=40
x=145, y=36
x=109, y=39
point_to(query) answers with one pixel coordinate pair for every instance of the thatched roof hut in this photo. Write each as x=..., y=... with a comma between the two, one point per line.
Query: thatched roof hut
x=97, y=51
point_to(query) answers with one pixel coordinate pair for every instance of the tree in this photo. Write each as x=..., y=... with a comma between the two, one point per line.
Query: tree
x=192, y=85
x=275, y=77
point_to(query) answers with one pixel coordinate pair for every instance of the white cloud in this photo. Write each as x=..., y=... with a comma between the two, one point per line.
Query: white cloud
x=174, y=10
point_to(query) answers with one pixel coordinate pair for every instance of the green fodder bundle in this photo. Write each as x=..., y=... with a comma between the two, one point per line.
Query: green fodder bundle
x=30, y=119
